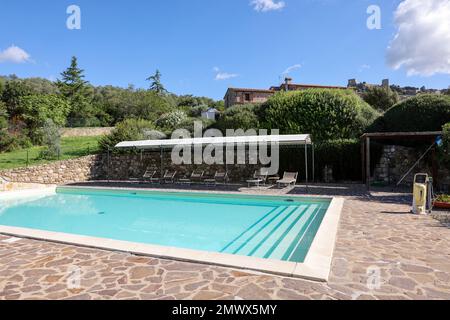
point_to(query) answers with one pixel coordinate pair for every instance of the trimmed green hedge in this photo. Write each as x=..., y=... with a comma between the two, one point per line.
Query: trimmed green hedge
x=326, y=114
x=428, y=112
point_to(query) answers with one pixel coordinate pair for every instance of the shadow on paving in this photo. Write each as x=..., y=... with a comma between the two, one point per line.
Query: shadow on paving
x=356, y=191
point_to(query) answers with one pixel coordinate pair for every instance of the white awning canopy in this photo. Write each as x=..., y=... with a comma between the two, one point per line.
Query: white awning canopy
x=283, y=140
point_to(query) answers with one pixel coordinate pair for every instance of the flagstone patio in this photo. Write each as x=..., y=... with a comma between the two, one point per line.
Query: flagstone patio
x=382, y=252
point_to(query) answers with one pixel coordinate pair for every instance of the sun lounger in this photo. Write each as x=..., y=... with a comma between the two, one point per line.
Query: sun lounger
x=289, y=178
x=197, y=176
x=155, y=179
x=258, y=178
x=169, y=177
x=149, y=174
x=219, y=178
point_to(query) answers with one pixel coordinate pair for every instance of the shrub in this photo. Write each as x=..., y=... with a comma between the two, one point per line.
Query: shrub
x=38, y=108
x=446, y=137
x=13, y=141
x=325, y=113
x=426, y=112
x=127, y=130
x=3, y=116
x=381, y=98
x=51, y=139
x=239, y=117
x=188, y=124
x=444, y=154
x=170, y=121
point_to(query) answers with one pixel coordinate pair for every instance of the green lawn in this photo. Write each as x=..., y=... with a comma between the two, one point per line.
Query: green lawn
x=71, y=148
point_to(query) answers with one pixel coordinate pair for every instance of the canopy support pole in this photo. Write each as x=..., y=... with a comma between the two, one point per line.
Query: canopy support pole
x=108, y=164
x=313, y=163
x=306, y=166
x=161, y=156
x=368, y=163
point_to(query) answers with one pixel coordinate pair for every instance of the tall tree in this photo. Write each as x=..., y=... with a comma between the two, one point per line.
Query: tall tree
x=155, y=83
x=75, y=89
x=72, y=80
x=13, y=91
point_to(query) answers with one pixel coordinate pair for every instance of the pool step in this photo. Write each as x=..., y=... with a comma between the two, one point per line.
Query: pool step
x=258, y=227
x=290, y=239
x=276, y=235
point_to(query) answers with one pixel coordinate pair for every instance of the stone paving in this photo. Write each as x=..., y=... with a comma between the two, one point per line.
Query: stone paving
x=382, y=252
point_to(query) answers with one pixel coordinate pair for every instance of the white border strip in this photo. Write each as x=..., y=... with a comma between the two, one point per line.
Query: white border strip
x=316, y=267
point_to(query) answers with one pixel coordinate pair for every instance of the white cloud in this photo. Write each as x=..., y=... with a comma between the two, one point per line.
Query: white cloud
x=226, y=76
x=267, y=5
x=422, y=42
x=292, y=68
x=14, y=54
x=223, y=75
x=364, y=67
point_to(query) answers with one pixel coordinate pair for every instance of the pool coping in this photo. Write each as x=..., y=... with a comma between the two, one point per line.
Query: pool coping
x=316, y=266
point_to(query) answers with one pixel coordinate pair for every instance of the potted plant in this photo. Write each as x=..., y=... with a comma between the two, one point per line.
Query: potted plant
x=442, y=201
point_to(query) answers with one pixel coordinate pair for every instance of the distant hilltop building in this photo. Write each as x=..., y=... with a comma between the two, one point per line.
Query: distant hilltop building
x=403, y=92
x=362, y=87
x=236, y=96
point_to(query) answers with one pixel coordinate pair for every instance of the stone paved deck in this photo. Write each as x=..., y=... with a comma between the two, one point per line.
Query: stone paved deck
x=376, y=236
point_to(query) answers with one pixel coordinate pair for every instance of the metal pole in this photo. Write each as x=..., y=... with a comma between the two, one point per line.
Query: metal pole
x=108, y=164
x=368, y=163
x=313, y=163
x=162, y=161
x=363, y=160
x=28, y=158
x=415, y=164
x=306, y=165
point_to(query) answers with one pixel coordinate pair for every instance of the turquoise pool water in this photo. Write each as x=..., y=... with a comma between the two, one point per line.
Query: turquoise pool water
x=265, y=227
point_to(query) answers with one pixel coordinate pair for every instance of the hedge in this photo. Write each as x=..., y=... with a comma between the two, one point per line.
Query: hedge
x=343, y=156
x=428, y=112
x=325, y=113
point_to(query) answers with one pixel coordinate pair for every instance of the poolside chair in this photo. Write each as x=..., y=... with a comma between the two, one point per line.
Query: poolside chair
x=221, y=177
x=197, y=176
x=149, y=174
x=169, y=177
x=289, y=178
x=155, y=179
x=132, y=176
x=259, y=177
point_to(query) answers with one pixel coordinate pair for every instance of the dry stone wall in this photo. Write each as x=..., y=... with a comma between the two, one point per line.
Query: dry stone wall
x=61, y=172
x=115, y=167
x=84, y=132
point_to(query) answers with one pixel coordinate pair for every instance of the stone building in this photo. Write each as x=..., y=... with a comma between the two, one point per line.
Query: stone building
x=236, y=96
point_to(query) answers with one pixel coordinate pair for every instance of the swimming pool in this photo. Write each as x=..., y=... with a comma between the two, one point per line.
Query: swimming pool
x=269, y=228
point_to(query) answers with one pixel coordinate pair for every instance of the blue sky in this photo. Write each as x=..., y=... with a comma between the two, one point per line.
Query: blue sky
x=203, y=46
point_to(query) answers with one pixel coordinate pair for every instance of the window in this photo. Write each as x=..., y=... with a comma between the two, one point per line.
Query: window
x=247, y=97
